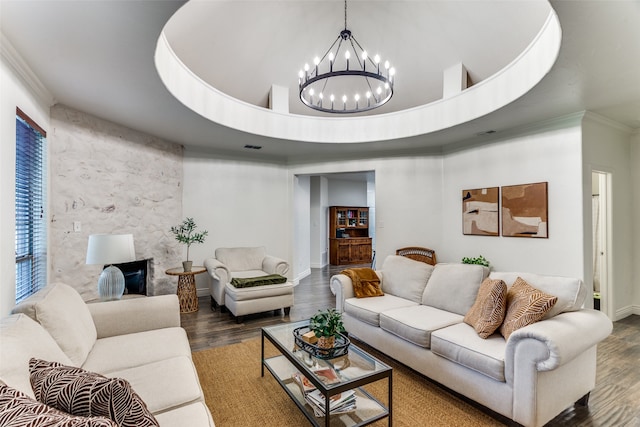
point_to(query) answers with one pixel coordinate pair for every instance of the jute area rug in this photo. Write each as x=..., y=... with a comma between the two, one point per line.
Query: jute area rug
x=238, y=396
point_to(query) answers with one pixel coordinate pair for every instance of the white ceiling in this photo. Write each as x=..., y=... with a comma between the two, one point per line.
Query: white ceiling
x=97, y=57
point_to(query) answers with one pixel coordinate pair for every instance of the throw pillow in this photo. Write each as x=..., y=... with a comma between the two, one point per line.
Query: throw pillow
x=88, y=394
x=18, y=410
x=487, y=312
x=525, y=305
x=366, y=282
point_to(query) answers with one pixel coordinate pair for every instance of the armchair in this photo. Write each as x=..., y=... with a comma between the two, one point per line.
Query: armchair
x=246, y=262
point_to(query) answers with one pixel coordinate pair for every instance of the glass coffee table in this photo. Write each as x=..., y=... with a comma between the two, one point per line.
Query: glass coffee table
x=353, y=370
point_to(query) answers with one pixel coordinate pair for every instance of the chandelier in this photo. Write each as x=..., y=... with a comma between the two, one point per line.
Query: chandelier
x=346, y=80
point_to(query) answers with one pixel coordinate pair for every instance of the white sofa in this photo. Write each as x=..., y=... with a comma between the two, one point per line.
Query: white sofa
x=139, y=340
x=541, y=369
x=243, y=263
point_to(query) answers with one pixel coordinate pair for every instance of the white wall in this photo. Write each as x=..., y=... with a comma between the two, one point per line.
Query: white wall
x=635, y=177
x=302, y=227
x=550, y=154
x=405, y=188
x=16, y=92
x=607, y=148
x=343, y=192
x=240, y=203
x=319, y=222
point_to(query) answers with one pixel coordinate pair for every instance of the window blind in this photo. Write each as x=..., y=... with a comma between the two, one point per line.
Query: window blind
x=31, y=237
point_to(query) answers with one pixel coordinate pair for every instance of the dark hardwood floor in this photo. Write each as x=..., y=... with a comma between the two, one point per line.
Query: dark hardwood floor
x=614, y=402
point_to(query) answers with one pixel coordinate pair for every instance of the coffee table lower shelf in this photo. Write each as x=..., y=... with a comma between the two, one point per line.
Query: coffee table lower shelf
x=368, y=408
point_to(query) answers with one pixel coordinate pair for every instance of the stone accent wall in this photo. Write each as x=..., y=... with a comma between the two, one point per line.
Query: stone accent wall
x=115, y=180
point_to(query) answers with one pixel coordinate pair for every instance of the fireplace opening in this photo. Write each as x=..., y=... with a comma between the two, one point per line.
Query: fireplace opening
x=135, y=276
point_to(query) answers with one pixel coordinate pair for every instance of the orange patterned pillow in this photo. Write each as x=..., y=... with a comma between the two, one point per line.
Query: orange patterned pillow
x=487, y=313
x=525, y=305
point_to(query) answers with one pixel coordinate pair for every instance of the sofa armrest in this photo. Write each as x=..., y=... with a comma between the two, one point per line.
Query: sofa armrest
x=131, y=315
x=342, y=287
x=217, y=270
x=563, y=338
x=274, y=265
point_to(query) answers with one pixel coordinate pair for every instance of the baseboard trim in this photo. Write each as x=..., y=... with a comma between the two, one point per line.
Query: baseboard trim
x=626, y=311
x=302, y=275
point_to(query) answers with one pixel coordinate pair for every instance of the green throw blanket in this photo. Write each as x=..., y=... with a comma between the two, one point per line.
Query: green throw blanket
x=249, y=282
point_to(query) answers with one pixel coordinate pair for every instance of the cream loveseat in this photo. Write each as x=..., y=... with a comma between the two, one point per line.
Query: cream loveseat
x=139, y=340
x=541, y=369
x=245, y=263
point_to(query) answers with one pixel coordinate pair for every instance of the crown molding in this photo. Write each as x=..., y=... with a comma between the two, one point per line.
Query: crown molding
x=22, y=69
x=597, y=118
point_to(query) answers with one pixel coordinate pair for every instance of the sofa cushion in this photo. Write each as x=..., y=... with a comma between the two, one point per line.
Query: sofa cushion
x=454, y=287
x=368, y=309
x=404, y=277
x=487, y=313
x=194, y=414
x=251, y=293
x=18, y=410
x=241, y=259
x=126, y=351
x=247, y=274
x=62, y=312
x=525, y=305
x=22, y=338
x=415, y=324
x=461, y=344
x=165, y=384
x=88, y=394
x=571, y=292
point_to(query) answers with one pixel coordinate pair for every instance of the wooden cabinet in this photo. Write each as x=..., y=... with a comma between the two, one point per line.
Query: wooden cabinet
x=349, y=241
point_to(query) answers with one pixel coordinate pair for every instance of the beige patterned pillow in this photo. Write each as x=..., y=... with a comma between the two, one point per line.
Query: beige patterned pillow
x=87, y=394
x=18, y=410
x=487, y=312
x=525, y=305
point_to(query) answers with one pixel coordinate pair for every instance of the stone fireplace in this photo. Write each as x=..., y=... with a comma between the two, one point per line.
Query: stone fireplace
x=135, y=276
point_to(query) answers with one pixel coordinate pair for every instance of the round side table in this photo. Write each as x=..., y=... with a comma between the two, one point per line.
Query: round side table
x=186, y=291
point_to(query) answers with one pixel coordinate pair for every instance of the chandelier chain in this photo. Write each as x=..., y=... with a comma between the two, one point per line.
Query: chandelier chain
x=345, y=14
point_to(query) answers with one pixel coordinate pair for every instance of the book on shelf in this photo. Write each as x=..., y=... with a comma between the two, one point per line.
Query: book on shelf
x=305, y=385
x=338, y=404
x=327, y=375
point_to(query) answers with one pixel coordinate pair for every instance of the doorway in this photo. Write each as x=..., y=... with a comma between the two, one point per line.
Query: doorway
x=355, y=188
x=601, y=214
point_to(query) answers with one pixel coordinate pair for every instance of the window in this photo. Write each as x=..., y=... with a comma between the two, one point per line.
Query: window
x=31, y=227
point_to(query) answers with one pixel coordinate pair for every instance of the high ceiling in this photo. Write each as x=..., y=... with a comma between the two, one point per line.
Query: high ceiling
x=98, y=57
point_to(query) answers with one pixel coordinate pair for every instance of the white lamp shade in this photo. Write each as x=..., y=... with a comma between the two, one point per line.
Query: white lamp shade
x=110, y=249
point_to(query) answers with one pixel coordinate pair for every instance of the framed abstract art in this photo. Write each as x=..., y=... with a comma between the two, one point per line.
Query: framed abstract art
x=524, y=210
x=480, y=213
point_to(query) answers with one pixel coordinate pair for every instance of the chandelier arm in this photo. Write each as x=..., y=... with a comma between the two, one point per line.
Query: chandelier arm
x=331, y=47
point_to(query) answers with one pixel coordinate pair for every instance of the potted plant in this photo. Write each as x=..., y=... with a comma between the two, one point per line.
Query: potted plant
x=185, y=233
x=480, y=260
x=327, y=325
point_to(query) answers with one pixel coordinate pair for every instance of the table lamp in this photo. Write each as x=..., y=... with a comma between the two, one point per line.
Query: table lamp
x=109, y=249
